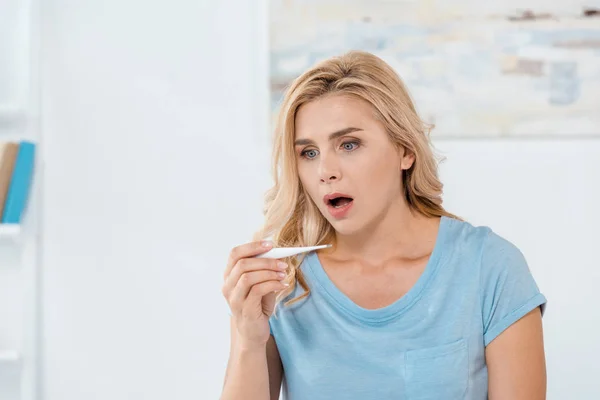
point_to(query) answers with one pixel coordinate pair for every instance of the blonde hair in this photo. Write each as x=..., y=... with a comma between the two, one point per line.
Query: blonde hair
x=291, y=217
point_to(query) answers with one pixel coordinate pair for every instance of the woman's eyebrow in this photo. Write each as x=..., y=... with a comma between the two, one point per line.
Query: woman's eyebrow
x=332, y=136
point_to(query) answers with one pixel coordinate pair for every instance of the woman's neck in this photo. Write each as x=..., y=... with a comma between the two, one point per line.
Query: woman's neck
x=400, y=233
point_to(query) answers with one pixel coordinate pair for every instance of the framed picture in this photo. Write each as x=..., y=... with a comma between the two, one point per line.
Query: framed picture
x=473, y=70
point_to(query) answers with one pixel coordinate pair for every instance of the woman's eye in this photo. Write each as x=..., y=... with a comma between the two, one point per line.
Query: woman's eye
x=309, y=154
x=350, y=145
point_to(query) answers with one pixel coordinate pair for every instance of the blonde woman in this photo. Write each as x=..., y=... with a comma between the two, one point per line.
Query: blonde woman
x=410, y=302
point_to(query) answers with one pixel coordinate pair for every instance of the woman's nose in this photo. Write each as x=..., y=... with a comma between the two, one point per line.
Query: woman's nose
x=328, y=171
x=328, y=179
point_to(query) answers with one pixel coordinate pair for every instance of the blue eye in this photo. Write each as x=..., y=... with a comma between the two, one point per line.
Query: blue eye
x=348, y=145
x=306, y=154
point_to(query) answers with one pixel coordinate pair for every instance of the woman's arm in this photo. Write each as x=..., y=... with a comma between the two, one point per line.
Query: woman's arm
x=252, y=373
x=516, y=361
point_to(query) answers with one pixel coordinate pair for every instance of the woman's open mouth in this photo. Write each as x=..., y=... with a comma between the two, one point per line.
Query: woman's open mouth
x=338, y=205
x=339, y=202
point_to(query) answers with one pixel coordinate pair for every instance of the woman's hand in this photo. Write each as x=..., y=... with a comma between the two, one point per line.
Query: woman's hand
x=250, y=287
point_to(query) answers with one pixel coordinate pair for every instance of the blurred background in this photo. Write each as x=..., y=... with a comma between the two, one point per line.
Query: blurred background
x=153, y=121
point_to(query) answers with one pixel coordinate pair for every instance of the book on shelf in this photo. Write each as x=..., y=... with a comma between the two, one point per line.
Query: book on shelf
x=16, y=172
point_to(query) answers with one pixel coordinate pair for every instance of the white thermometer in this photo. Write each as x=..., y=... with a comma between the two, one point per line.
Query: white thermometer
x=282, y=252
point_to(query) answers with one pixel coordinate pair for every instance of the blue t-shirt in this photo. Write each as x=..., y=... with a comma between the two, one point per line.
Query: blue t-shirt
x=429, y=344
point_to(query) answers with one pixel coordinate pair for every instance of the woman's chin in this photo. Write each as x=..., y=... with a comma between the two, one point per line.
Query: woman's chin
x=345, y=227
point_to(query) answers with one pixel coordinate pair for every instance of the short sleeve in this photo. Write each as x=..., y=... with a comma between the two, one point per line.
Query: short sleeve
x=508, y=289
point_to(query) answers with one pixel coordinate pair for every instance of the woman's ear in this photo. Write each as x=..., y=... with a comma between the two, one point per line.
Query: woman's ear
x=408, y=159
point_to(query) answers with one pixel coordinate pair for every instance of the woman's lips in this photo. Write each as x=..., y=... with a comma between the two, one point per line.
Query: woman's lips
x=341, y=211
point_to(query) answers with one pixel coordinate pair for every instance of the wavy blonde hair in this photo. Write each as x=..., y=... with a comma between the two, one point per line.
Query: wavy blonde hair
x=291, y=217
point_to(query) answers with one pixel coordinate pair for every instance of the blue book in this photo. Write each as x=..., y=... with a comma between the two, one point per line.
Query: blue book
x=18, y=190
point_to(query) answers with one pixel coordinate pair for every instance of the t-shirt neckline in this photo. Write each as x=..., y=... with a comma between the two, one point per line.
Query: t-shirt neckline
x=394, y=309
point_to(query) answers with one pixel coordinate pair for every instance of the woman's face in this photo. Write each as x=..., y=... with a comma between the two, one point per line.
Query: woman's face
x=343, y=150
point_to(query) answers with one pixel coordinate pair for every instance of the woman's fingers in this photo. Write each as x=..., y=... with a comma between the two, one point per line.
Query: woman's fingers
x=252, y=285
x=245, y=251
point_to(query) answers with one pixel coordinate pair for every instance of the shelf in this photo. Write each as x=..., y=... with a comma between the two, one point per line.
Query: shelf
x=9, y=356
x=10, y=115
x=9, y=230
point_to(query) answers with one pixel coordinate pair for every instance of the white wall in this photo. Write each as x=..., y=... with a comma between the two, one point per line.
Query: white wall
x=150, y=177
x=154, y=168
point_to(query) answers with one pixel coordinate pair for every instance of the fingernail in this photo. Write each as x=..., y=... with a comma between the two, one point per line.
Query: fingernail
x=267, y=243
x=281, y=265
x=281, y=274
x=285, y=284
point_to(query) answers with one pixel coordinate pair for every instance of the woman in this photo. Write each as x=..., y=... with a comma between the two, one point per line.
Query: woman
x=410, y=302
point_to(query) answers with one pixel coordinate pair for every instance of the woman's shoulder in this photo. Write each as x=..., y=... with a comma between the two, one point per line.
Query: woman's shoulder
x=483, y=237
x=492, y=249
x=507, y=287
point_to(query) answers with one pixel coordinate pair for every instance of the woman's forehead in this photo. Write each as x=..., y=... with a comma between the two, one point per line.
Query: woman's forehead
x=331, y=114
